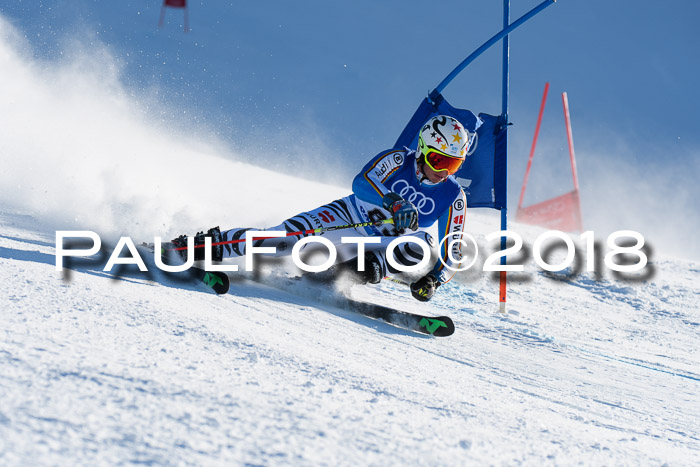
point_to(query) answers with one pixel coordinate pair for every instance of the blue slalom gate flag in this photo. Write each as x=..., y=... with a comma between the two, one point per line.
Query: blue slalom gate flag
x=483, y=176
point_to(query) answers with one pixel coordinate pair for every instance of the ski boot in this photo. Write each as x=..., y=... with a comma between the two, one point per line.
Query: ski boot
x=373, y=273
x=179, y=245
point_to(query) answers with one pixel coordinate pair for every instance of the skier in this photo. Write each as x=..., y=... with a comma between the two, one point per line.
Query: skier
x=414, y=188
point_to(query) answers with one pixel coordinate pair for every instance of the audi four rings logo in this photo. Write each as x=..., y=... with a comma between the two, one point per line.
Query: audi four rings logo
x=423, y=204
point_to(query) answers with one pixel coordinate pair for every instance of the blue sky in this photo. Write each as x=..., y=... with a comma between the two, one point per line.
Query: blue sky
x=292, y=83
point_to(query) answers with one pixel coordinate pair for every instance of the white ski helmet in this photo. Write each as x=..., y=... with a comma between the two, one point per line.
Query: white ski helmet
x=445, y=136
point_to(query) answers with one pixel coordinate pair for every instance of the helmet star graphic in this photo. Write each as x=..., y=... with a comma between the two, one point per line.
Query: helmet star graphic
x=435, y=148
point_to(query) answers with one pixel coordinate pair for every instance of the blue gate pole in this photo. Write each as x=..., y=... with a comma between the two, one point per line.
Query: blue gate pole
x=506, y=30
x=508, y=27
x=504, y=113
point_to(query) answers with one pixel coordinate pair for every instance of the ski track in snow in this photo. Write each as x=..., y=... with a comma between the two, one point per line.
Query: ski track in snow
x=100, y=369
x=142, y=369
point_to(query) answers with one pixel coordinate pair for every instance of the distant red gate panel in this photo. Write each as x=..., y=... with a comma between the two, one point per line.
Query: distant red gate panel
x=174, y=4
x=560, y=213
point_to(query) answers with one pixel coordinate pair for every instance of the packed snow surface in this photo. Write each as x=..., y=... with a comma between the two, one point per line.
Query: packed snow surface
x=105, y=368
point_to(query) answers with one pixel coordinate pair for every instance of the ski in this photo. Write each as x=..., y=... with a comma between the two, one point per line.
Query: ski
x=216, y=280
x=439, y=326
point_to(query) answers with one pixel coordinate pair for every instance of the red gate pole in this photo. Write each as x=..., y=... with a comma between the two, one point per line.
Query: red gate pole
x=570, y=138
x=534, y=143
x=572, y=157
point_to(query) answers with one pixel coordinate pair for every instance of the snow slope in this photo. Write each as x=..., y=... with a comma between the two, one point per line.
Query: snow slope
x=96, y=368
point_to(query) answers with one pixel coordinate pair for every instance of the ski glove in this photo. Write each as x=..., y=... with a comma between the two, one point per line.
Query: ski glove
x=424, y=288
x=404, y=212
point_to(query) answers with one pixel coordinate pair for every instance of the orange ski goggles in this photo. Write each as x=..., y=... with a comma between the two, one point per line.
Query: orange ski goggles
x=439, y=161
